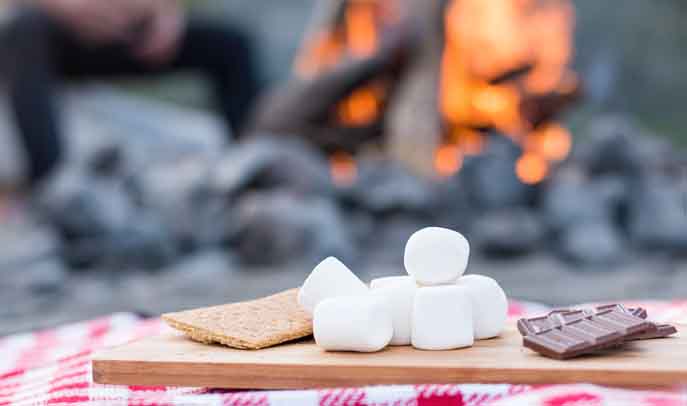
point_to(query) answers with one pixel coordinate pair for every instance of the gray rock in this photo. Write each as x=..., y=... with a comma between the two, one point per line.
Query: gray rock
x=613, y=190
x=47, y=276
x=144, y=242
x=202, y=265
x=81, y=206
x=40, y=276
x=490, y=178
x=266, y=162
x=569, y=198
x=361, y=225
x=592, y=243
x=106, y=161
x=179, y=193
x=384, y=186
x=13, y=165
x=164, y=186
x=657, y=213
x=508, y=232
x=279, y=227
x=101, y=223
x=387, y=243
x=616, y=144
x=23, y=242
x=455, y=209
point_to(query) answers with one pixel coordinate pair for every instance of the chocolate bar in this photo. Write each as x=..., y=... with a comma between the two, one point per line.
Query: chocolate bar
x=563, y=334
x=639, y=312
x=661, y=331
x=571, y=340
x=561, y=316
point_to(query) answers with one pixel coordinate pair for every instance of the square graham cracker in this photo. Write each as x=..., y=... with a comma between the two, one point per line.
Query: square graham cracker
x=250, y=325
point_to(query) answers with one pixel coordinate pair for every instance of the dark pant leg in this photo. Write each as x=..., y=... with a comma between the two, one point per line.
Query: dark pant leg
x=28, y=62
x=219, y=52
x=226, y=56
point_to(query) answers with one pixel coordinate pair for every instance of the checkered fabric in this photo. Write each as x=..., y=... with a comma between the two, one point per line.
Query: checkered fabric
x=53, y=367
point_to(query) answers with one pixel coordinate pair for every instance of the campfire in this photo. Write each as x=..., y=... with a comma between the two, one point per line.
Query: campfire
x=399, y=114
x=433, y=88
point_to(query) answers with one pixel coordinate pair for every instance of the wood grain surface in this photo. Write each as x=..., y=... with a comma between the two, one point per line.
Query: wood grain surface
x=174, y=360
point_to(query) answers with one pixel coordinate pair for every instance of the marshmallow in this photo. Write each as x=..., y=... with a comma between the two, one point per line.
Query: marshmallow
x=442, y=318
x=489, y=305
x=435, y=256
x=389, y=280
x=353, y=323
x=399, y=293
x=330, y=278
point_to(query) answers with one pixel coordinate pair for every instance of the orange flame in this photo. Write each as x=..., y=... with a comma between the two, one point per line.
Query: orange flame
x=452, y=102
x=489, y=35
x=551, y=32
x=360, y=108
x=531, y=168
x=319, y=54
x=355, y=36
x=487, y=39
x=484, y=40
x=361, y=28
x=448, y=160
x=499, y=106
x=470, y=142
x=344, y=170
x=551, y=141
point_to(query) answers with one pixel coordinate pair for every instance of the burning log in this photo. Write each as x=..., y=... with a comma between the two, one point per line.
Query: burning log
x=538, y=109
x=304, y=106
x=415, y=128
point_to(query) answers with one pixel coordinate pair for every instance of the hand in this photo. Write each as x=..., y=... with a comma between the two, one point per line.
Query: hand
x=98, y=21
x=161, y=37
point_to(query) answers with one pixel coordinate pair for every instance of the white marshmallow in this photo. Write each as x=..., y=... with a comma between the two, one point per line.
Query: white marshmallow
x=489, y=305
x=442, y=318
x=353, y=323
x=389, y=280
x=435, y=256
x=330, y=278
x=399, y=293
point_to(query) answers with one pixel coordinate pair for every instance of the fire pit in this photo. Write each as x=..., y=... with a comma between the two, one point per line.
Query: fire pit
x=384, y=128
x=399, y=114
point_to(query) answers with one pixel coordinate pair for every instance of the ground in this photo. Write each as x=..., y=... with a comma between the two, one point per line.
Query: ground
x=36, y=291
x=214, y=278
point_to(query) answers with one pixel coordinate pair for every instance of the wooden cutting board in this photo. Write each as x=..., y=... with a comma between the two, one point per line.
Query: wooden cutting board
x=174, y=360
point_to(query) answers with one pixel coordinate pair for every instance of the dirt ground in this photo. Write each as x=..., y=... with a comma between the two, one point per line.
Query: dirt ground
x=213, y=278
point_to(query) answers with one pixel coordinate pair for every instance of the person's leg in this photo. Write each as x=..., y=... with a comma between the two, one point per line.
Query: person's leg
x=28, y=62
x=225, y=55
x=221, y=53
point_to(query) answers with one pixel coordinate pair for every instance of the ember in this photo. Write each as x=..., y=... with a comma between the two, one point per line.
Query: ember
x=449, y=159
x=531, y=168
x=551, y=141
x=343, y=168
x=360, y=108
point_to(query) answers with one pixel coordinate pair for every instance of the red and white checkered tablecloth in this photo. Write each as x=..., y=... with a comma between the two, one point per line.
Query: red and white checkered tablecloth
x=53, y=367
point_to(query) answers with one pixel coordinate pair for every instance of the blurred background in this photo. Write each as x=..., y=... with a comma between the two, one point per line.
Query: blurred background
x=267, y=135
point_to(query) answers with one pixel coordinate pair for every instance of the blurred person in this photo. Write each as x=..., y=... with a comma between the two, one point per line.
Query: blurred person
x=53, y=40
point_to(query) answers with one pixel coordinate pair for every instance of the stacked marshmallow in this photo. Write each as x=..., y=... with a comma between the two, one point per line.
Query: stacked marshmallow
x=435, y=307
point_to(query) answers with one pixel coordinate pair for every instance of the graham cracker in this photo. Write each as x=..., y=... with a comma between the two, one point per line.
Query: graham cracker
x=246, y=325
